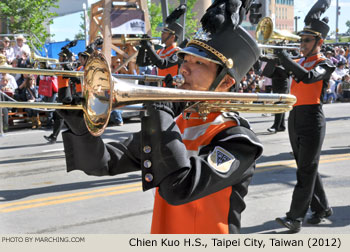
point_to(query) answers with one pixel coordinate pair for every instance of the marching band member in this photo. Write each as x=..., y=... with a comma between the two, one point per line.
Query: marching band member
x=306, y=122
x=200, y=169
x=165, y=59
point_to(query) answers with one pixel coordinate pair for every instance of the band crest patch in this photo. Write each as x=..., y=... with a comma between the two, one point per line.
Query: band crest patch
x=220, y=159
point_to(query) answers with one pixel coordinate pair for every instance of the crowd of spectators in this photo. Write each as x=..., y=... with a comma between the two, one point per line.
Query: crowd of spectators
x=25, y=87
x=19, y=86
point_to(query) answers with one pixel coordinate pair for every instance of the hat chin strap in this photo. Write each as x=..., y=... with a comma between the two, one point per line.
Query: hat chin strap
x=218, y=79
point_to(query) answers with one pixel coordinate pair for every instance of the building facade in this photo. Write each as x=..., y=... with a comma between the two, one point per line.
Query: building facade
x=282, y=13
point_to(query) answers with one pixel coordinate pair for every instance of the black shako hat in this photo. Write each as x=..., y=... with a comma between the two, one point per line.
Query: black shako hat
x=223, y=41
x=318, y=28
x=314, y=26
x=174, y=28
x=233, y=49
x=171, y=25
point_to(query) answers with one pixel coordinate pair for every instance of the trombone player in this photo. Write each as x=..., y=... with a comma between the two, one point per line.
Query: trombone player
x=200, y=169
x=306, y=122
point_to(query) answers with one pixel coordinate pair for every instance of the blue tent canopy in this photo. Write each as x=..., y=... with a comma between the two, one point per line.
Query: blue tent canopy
x=53, y=49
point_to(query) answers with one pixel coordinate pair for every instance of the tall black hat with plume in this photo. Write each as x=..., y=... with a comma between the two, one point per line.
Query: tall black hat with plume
x=170, y=22
x=223, y=41
x=313, y=24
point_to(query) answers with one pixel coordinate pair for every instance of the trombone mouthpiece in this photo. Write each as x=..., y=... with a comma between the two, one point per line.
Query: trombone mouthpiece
x=179, y=80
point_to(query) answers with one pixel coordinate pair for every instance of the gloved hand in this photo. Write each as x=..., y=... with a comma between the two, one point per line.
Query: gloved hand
x=64, y=95
x=270, y=59
x=168, y=80
x=172, y=108
x=145, y=43
x=298, y=72
x=281, y=54
x=74, y=120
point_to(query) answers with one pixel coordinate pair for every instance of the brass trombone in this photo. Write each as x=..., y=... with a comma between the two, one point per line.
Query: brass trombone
x=266, y=34
x=103, y=92
x=39, y=59
x=125, y=40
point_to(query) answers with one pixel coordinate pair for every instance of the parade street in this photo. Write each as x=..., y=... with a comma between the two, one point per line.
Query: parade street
x=38, y=196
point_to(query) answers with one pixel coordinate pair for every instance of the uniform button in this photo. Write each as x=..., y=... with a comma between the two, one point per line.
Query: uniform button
x=147, y=149
x=147, y=164
x=148, y=177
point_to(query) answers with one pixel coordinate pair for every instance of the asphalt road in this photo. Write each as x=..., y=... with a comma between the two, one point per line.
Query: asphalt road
x=38, y=196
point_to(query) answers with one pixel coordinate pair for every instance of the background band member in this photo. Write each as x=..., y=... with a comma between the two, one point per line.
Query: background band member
x=201, y=169
x=165, y=59
x=65, y=90
x=280, y=80
x=306, y=123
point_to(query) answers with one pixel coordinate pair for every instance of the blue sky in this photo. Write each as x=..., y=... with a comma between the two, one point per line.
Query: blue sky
x=67, y=26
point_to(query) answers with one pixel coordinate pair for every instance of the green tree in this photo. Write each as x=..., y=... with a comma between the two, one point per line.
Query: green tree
x=81, y=33
x=348, y=25
x=28, y=17
x=156, y=18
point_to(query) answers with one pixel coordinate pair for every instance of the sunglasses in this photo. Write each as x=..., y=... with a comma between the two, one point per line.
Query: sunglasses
x=306, y=40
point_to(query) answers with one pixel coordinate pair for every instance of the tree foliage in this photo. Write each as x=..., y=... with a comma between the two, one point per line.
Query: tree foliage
x=348, y=25
x=28, y=17
x=82, y=26
x=156, y=18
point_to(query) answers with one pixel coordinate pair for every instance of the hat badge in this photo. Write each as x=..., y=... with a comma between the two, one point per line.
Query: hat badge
x=202, y=35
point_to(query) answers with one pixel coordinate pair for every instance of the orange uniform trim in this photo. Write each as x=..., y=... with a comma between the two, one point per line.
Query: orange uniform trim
x=207, y=215
x=78, y=87
x=62, y=82
x=308, y=94
x=164, y=53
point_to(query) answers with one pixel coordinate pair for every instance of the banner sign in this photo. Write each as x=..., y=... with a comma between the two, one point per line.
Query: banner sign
x=128, y=22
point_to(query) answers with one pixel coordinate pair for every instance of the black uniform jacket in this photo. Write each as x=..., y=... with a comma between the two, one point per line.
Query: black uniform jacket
x=158, y=151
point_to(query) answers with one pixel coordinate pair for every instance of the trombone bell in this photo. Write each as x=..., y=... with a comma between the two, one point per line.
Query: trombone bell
x=266, y=34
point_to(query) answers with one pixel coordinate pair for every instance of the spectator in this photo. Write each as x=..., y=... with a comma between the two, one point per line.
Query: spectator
x=344, y=89
x=24, y=61
x=10, y=54
x=21, y=47
x=31, y=95
x=4, y=84
x=251, y=76
x=329, y=55
x=3, y=60
x=340, y=71
x=12, y=84
x=116, y=62
x=244, y=84
x=330, y=95
x=17, y=76
x=340, y=57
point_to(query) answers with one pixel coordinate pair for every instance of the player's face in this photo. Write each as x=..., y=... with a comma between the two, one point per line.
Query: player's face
x=199, y=73
x=307, y=43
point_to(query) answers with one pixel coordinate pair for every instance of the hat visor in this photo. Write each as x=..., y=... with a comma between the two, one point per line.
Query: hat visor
x=196, y=52
x=166, y=29
x=311, y=33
